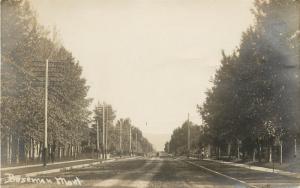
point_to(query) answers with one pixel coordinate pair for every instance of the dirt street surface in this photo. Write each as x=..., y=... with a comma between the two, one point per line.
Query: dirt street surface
x=158, y=172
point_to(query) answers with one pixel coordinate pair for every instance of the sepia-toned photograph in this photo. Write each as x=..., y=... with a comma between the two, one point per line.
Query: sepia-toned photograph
x=150, y=94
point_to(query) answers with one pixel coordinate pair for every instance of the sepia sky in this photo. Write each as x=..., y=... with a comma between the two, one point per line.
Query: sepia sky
x=151, y=59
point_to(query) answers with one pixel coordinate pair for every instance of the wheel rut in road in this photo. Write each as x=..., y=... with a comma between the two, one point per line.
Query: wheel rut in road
x=148, y=175
x=178, y=174
x=138, y=177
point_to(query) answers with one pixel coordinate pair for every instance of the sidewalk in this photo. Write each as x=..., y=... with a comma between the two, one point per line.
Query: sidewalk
x=258, y=168
x=35, y=170
x=35, y=165
x=27, y=169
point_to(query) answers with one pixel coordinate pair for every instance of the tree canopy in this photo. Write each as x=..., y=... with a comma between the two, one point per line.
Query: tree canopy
x=255, y=93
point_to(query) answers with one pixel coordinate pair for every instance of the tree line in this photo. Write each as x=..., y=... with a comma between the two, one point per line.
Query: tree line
x=178, y=143
x=26, y=45
x=252, y=110
x=123, y=137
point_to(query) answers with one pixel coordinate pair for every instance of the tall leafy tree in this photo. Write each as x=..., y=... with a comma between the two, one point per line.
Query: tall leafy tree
x=255, y=97
x=26, y=45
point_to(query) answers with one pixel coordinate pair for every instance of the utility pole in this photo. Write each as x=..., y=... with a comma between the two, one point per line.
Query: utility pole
x=280, y=151
x=129, y=139
x=136, y=142
x=97, y=124
x=120, y=137
x=103, y=131
x=188, y=131
x=46, y=116
x=45, y=84
x=295, y=147
x=106, y=125
x=238, y=152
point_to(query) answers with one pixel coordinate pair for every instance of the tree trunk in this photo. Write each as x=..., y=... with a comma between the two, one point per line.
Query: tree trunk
x=64, y=151
x=270, y=154
x=33, y=149
x=295, y=148
x=281, y=152
x=75, y=151
x=59, y=152
x=259, y=153
x=39, y=150
x=41, y=153
x=53, y=149
x=8, y=149
x=18, y=150
x=48, y=152
x=30, y=150
x=78, y=150
x=238, y=151
x=229, y=150
x=209, y=150
x=26, y=151
x=68, y=151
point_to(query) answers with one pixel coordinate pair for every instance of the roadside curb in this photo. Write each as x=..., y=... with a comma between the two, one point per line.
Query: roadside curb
x=258, y=168
x=64, y=169
x=38, y=165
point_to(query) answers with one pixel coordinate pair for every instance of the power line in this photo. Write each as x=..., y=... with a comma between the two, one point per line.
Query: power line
x=36, y=78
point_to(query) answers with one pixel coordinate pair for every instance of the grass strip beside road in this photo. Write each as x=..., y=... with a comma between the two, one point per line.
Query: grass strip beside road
x=220, y=174
x=259, y=168
x=58, y=167
x=39, y=168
